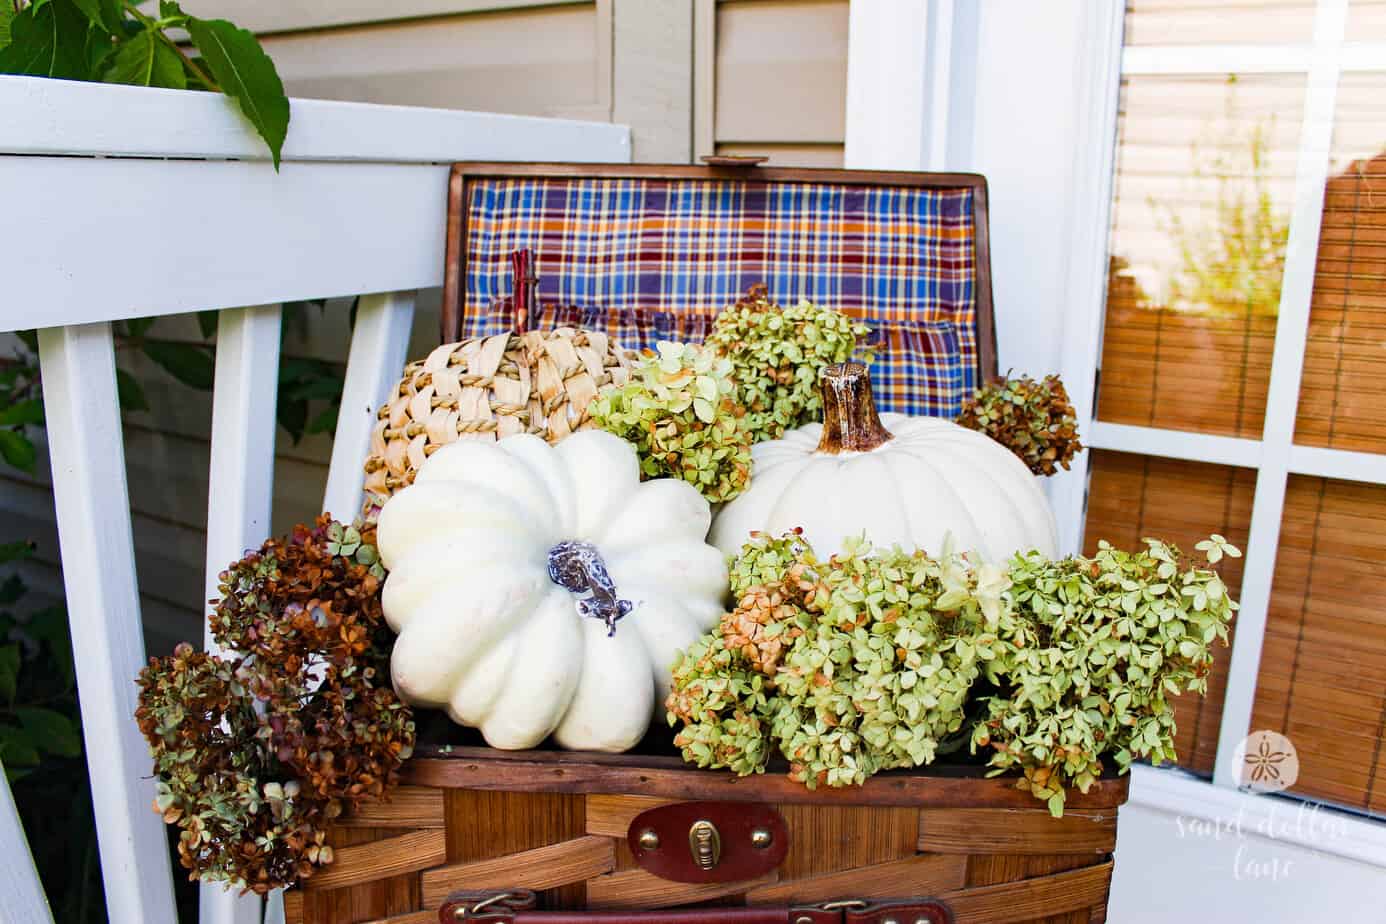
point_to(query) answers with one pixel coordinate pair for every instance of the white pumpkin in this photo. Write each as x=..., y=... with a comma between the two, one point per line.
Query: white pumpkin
x=898, y=479
x=542, y=589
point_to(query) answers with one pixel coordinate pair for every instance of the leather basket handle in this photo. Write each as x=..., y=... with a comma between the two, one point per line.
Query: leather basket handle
x=518, y=906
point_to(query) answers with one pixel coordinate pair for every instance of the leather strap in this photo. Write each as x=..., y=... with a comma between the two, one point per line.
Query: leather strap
x=517, y=906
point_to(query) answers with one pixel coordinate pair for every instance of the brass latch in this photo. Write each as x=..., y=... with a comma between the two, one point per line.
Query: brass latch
x=705, y=843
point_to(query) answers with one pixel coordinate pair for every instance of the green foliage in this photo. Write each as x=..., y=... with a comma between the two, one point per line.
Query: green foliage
x=1100, y=646
x=1034, y=420
x=874, y=660
x=776, y=355
x=41, y=744
x=115, y=42
x=680, y=413
x=256, y=751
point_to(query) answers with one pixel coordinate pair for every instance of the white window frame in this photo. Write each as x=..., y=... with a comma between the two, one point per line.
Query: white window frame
x=890, y=77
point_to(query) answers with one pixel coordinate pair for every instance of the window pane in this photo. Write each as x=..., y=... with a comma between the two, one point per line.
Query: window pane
x=1204, y=187
x=1366, y=20
x=1132, y=497
x=1208, y=22
x=1345, y=358
x=1323, y=665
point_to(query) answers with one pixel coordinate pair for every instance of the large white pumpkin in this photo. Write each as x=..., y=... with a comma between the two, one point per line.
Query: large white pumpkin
x=542, y=589
x=898, y=479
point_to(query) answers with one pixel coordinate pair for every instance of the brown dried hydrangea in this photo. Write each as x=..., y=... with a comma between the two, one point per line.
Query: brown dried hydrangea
x=1034, y=420
x=258, y=748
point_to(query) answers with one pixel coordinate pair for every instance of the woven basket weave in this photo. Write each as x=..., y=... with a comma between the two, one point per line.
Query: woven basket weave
x=487, y=388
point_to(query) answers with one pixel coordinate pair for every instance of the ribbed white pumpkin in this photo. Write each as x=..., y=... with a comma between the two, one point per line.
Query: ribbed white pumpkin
x=913, y=480
x=486, y=632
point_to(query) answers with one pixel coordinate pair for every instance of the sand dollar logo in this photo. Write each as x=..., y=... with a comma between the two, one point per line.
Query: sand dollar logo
x=1267, y=761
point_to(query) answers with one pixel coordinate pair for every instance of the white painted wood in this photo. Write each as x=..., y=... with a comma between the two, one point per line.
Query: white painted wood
x=1172, y=790
x=274, y=907
x=93, y=510
x=240, y=491
x=143, y=122
x=1282, y=395
x=1216, y=59
x=379, y=348
x=23, y=899
x=1369, y=467
x=240, y=480
x=292, y=15
x=888, y=84
x=1173, y=444
x=1084, y=286
x=311, y=230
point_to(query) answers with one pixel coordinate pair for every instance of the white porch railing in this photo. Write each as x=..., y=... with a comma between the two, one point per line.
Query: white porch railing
x=357, y=208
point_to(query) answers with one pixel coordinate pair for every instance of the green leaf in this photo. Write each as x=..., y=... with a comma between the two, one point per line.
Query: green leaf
x=21, y=413
x=6, y=15
x=15, y=551
x=146, y=60
x=50, y=625
x=207, y=323
x=17, y=450
x=293, y=417
x=138, y=327
x=170, y=10
x=189, y=363
x=325, y=422
x=246, y=74
x=9, y=672
x=130, y=392
x=51, y=731
x=17, y=747
x=47, y=41
x=106, y=15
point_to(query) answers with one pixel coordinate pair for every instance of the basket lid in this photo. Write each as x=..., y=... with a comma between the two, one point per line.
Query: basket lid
x=652, y=252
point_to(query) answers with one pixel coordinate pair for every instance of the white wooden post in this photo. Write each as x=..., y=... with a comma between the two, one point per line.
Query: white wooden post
x=240, y=493
x=379, y=347
x=103, y=605
x=1282, y=393
x=23, y=900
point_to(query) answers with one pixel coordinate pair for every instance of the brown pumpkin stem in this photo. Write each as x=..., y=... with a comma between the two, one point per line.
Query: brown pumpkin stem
x=850, y=421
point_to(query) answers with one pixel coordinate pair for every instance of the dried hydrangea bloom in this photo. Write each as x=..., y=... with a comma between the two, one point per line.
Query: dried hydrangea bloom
x=1034, y=420
x=679, y=410
x=256, y=750
x=776, y=355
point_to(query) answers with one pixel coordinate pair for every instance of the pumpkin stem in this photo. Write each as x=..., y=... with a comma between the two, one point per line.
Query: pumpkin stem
x=850, y=421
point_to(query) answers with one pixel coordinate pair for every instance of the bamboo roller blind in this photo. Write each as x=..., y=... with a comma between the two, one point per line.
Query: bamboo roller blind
x=1203, y=190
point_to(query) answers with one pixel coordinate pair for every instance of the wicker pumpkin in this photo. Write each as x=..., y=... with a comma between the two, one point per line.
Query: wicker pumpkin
x=486, y=388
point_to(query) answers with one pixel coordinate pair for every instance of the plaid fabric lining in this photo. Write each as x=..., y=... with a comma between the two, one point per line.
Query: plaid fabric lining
x=649, y=260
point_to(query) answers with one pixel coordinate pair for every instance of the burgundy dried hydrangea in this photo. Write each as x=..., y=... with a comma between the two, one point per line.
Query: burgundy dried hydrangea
x=256, y=750
x=1034, y=420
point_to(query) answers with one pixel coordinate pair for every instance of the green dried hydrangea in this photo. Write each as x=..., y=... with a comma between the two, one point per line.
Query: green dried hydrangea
x=776, y=355
x=846, y=667
x=1103, y=643
x=679, y=411
x=872, y=661
x=1034, y=420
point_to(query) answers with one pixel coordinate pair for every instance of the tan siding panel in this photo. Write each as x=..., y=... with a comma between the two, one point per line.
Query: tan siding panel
x=781, y=71
x=529, y=62
x=297, y=15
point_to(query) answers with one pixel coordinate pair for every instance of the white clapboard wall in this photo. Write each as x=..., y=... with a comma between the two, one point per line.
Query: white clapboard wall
x=355, y=210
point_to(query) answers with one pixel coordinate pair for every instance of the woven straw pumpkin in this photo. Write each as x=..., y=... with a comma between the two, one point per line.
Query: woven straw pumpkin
x=486, y=388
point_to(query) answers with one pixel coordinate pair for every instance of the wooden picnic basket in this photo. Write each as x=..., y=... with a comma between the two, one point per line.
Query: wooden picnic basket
x=476, y=834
